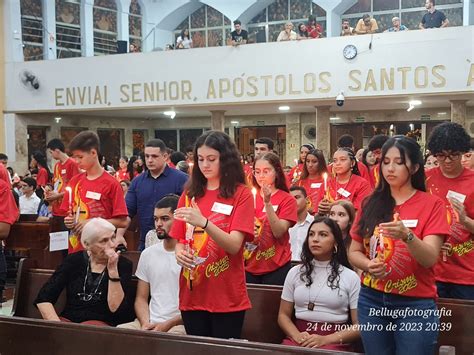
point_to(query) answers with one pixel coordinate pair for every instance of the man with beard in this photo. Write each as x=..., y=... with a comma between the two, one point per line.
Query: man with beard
x=158, y=277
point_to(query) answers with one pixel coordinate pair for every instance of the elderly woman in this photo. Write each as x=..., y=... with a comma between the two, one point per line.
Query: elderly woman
x=95, y=280
x=287, y=34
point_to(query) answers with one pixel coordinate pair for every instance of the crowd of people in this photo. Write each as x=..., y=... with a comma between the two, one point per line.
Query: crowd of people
x=390, y=234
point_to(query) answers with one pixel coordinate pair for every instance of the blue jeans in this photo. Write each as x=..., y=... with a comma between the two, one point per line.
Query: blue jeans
x=450, y=290
x=393, y=324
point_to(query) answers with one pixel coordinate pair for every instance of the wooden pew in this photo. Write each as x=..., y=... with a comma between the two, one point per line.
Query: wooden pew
x=260, y=324
x=33, y=336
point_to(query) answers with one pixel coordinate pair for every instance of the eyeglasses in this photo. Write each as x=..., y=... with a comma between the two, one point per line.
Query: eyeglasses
x=452, y=156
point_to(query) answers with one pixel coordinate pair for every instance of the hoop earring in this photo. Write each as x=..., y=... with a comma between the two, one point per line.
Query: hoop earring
x=335, y=249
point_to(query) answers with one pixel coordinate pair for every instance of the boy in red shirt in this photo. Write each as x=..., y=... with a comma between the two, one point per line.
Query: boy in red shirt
x=375, y=146
x=63, y=172
x=94, y=193
x=8, y=215
x=453, y=183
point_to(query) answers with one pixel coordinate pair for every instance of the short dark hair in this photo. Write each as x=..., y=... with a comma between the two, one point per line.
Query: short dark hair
x=157, y=143
x=299, y=188
x=345, y=20
x=237, y=22
x=176, y=157
x=3, y=156
x=30, y=182
x=366, y=16
x=265, y=140
x=471, y=143
x=85, y=141
x=449, y=136
x=56, y=143
x=377, y=142
x=189, y=148
x=168, y=201
x=432, y=2
x=346, y=140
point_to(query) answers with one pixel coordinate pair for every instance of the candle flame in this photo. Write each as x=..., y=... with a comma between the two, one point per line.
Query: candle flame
x=68, y=189
x=254, y=191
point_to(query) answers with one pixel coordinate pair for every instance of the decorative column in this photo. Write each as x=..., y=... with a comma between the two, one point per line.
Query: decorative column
x=87, y=28
x=323, y=130
x=458, y=112
x=49, y=33
x=217, y=120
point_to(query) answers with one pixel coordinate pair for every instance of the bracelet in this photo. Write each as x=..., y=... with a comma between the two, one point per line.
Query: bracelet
x=114, y=279
x=205, y=226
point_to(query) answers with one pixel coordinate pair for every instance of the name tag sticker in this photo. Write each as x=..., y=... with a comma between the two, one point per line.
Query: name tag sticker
x=63, y=171
x=410, y=223
x=222, y=208
x=343, y=192
x=275, y=208
x=456, y=195
x=315, y=185
x=93, y=195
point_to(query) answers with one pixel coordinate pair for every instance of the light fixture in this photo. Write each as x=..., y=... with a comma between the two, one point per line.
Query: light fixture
x=411, y=107
x=414, y=103
x=170, y=114
x=334, y=118
x=57, y=119
x=284, y=108
x=442, y=113
x=234, y=122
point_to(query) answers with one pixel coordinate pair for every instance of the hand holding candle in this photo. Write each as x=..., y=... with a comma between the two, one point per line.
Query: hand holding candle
x=325, y=178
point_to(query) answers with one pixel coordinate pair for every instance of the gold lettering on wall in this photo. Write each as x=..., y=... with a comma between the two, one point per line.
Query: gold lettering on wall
x=404, y=71
x=436, y=73
x=370, y=82
x=58, y=96
x=421, y=77
x=356, y=81
x=470, y=77
x=324, y=79
x=387, y=79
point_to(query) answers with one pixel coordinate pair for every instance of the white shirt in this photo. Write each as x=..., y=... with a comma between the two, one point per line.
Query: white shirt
x=158, y=267
x=151, y=238
x=187, y=42
x=298, y=235
x=29, y=205
x=330, y=306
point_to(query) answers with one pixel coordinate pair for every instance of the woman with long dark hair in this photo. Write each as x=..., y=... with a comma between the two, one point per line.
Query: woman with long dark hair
x=134, y=167
x=312, y=177
x=295, y=173
x=346, y=182
x=322, y=292
x=211, y=223
x=184, y=41
x=38, y=161
x=396, y=241
x=269, y=255
x=343, y=212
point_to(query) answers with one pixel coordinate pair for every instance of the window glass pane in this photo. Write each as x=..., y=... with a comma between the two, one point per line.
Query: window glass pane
x=138, y=141
x=169, y=137
x=274, y=31
x=385, y=21
x=300, y=9
x=412, y=19
x=110, y=145
x=214, y=38
x=227, y=21
x=408, y=4
x=383, y=5
x=361, y=6
x=31, y=52
x=257, y=34
x=199, y=39
x=198, y=18
x=318, y=11
x=135, y=8
x=67, y=12
x=278, y=11
x=454, y=16
x=183, y=25
x=261, y=17
x=31, y=8
x=187, y=137
x=214, y=17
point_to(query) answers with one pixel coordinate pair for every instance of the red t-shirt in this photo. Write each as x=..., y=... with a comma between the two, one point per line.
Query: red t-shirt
x=42, y=179
x=218, y=283
x=425, y=215
x=355, y=190
x=363, y=170
x=294, y=174
x=4, y=174
x=63, y=173
x=101, y=197
x=8, y=209
x=313, y=188
x=271, y=253
x=459, y=265
x=122, y=175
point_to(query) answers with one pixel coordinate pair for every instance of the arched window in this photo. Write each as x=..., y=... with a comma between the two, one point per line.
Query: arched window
x=208, y=27
x=68, y=29
x=267, y=25
x=410, y=12
x=135, y=25
x=32, y=29
x=105, y=27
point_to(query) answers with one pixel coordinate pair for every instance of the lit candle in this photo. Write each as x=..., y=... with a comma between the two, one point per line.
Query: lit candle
x=296, y=162
x=254, y=193
x=325, y=177
x=69, y=190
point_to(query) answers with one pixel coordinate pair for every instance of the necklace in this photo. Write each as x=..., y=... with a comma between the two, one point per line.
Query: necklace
x=86, y=297
x=320, y=285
